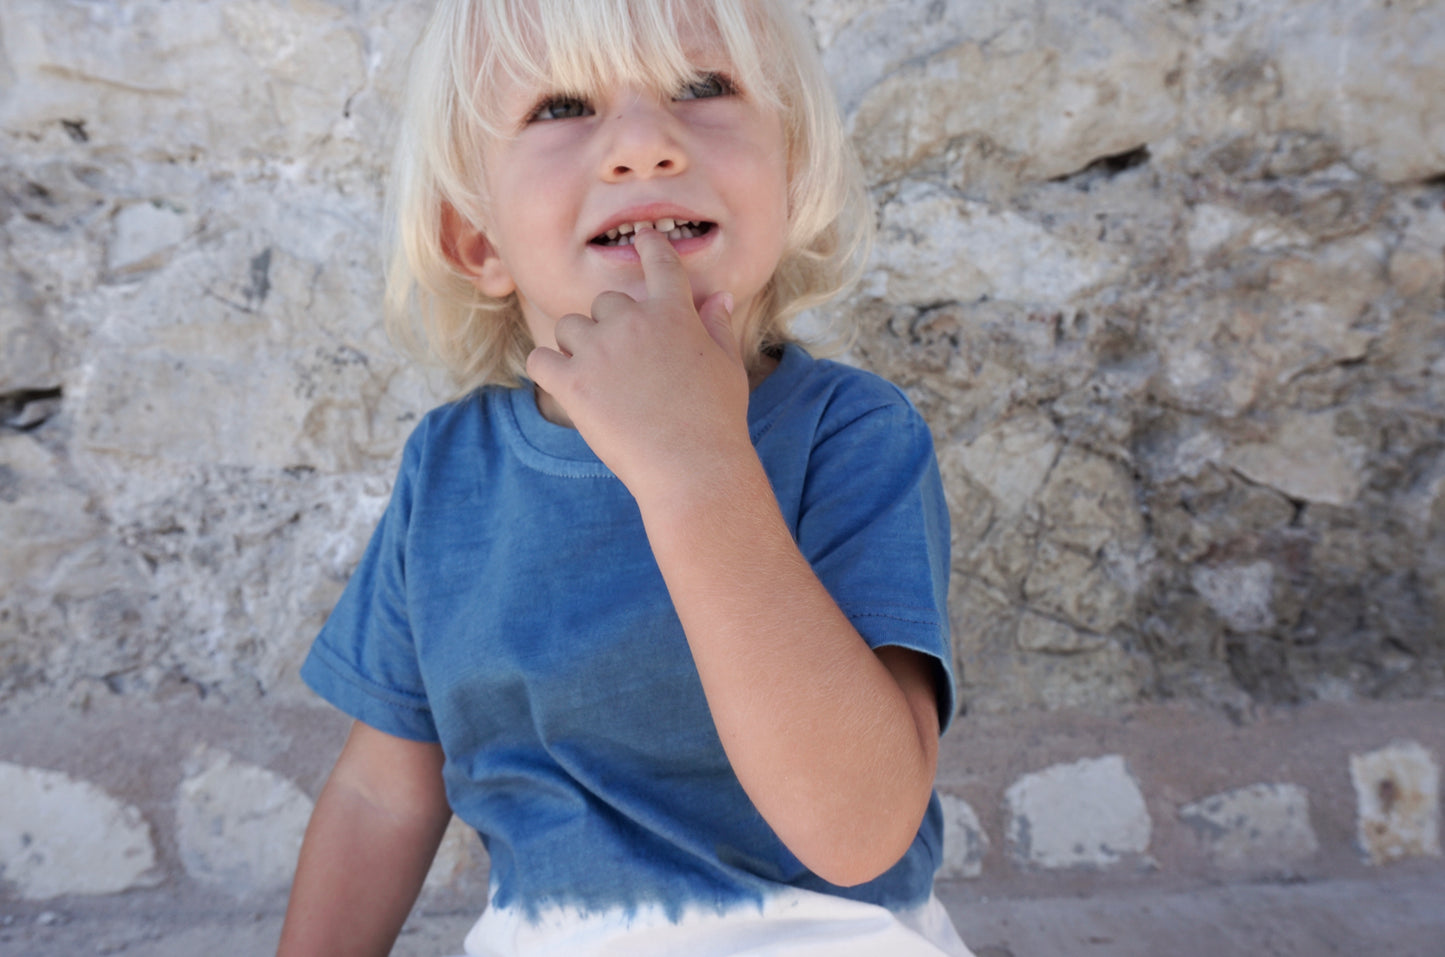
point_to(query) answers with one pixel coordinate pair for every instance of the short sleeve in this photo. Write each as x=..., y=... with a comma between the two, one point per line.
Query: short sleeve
x=874, y=525
x=364, y=661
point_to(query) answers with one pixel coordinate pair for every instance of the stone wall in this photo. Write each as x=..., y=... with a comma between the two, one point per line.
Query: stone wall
x=1167, y=279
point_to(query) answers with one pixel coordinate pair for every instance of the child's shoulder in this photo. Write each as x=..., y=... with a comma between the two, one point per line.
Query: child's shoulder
x=844, y=391
x=445, y=419
x=460, y=428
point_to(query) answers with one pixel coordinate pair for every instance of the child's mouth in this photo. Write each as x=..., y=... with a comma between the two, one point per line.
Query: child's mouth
x=673, y=229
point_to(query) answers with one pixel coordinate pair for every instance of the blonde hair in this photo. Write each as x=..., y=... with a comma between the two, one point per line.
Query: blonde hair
x=577, y=46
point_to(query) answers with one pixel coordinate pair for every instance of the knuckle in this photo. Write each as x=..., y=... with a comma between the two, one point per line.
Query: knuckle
x=538, y=366
x=610, y=302
x=570, y=325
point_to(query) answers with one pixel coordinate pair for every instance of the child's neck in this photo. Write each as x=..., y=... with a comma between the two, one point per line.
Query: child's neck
x=759, y=369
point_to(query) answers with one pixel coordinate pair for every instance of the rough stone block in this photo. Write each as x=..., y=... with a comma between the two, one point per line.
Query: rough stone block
x=1090, y=813
x=239, y=826
x=964, y=840
x=30, y=349
x=1050, y=88
x=1384, y=117
x=937, y=247
x=1050, y=636
x=63, y=836
x=1090, y=502
x=1262, y=827
x=1012, y=459
x=1078, y=588
x=1242, y=595
x=1397, y=790
x=1306, y=459
x=144, y=233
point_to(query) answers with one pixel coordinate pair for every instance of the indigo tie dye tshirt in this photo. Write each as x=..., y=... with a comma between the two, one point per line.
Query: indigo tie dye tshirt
x=508, y=606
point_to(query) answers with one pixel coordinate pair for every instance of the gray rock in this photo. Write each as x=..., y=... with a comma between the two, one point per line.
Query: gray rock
x=1397, y=793
x=1381, y=116
x=239, y=826
x=1306, y=458
x=1263, y=828
x=1013, y=459
x=1040, y=634
x=144, y=233
x=1090, y=813
x=965, y=844
x=1080, y=588
x=159, y=79
x=60, y=836
x=1048, y=89
x=936, y=246
x=1242, y=595
x=1090, y=502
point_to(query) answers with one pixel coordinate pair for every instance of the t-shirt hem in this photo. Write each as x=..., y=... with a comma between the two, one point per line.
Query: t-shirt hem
x=917, y=630
x=384, y=709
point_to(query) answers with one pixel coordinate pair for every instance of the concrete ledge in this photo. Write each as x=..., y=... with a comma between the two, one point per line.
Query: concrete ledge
x=1397, y=913
x=1064, y=804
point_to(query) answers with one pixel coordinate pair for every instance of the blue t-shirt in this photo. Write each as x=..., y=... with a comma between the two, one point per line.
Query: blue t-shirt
x=509, y=607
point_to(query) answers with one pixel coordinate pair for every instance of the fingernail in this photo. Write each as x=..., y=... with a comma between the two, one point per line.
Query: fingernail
x=727, y=302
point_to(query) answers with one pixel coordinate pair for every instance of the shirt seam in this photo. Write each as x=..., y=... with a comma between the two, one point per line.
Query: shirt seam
x=374, y=690
x=921, y=617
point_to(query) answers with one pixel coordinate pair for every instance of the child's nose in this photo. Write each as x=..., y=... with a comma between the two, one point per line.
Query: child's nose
x=643, y=141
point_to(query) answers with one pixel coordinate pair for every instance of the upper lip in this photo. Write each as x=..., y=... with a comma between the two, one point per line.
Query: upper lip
x=648, y=213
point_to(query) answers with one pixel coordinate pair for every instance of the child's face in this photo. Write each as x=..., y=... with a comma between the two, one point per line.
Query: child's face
x=578, y=169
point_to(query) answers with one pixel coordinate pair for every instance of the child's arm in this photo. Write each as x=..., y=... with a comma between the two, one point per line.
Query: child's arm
x=835, y=744
x=372, y=837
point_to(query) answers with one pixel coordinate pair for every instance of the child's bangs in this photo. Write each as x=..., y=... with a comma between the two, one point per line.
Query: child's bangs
x=566, y=46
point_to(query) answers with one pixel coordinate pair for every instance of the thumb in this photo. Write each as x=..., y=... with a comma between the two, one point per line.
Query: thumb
x=716, y=314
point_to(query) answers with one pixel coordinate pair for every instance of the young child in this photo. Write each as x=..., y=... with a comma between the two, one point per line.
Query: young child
x=658, y=606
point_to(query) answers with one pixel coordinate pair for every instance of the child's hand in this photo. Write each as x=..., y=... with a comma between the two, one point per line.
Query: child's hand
x=657, y=388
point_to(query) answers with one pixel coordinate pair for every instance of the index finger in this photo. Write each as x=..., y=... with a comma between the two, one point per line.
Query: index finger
x=662, y=270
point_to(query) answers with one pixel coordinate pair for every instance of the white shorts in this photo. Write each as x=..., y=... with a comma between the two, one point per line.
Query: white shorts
x=795, y=924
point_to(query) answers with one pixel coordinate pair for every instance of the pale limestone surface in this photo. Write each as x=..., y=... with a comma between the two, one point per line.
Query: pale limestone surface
x=936, y=246
x=1137, y=373
x=1242, y=595
x=62, y=836
x=1263, y=828
x=1089, y=813
x=239, y=826
x=965, y=843
x=1398, y=794
x=1306, y=459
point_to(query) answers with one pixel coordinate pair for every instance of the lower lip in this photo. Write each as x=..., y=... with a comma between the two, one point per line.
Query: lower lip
x=628, y=254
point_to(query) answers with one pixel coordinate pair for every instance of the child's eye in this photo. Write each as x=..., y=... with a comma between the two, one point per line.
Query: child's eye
x=705, y=87
x=560, y=108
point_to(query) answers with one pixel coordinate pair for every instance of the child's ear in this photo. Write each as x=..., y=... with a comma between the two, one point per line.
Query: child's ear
x=468, y=249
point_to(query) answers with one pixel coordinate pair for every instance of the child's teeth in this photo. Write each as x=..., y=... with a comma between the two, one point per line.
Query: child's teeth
x=674, y=229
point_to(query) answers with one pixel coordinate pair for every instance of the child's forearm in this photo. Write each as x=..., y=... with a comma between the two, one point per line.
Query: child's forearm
x=836, y=748
x=372, y=837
